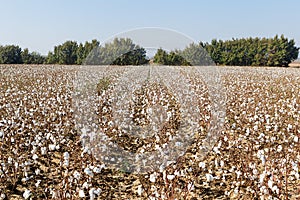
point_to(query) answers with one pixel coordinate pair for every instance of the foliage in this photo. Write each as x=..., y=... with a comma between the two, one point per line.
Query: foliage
x=277, y=51
x=119, y=52
x=172, y=58
x=10, y=54
x=194, y=54
x=64, y=54
x=32, y=58
x=84, y=50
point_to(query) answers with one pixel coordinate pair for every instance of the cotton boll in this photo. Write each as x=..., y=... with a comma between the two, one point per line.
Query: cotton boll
x=81, y=194
x=43, y=150
x=92, y=194
x=35, y=157
x=77, y=175
x=2, y=196
x=52, y=147
x=27, y=194
x=152, y=177
x=88, y=172
x=38, y=183
x=209, y=177
x=140, y=190
x=96, y=170
x=170, y=177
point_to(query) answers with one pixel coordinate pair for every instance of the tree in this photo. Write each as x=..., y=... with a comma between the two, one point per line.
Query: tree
x=83, y=51
x=277, y=51
x=194, y=54
x=119, y=52
x=161, y=57
x=65, y=54
x=172, y=58
x=10, y=54
x=32, y=58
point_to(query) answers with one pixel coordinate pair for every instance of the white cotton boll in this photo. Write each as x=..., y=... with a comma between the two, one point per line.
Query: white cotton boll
x=270, y=184
x=297, y=175
x=34, y=157
x=66, y=155
x=238, y=174
x=9, y=160
x=225, y=138
x=96, y=170
x=27, y=194
x=279, y=148
x=85, y=185
x=37, y=184
x=222, y=163
x=152, y=177
x=81, y=194
x=98, y=191
x=140, y=190
x=170, y=177
x=255, y=128
x=88, y=172
x=247, y=131
x=275, y=189
x=92, y=194
x=2, y=196
x=296, y=139
x=76, y=175
x=1, y=134
x=209, y=177
x=43, y=150
x=51, y=147
x=216, y=150
x=37, y=171
x=261, y=136
x=255, y=171
x=202, y=165
x=261, y=178
x=190, y=187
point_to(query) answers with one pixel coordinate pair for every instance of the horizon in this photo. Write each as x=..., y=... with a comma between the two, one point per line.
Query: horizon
x=39, y=26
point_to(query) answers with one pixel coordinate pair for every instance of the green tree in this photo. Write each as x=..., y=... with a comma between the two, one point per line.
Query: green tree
x=32, y=58
x=277, y=51
x=10, y=54
x=161, y=57
x=119, y=52
x=195, y=54
x=83, y=51
x=65, y=54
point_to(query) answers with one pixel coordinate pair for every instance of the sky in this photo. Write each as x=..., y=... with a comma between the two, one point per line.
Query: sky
x=40, y=24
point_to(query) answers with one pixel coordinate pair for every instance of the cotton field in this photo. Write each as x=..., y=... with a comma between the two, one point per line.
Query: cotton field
x=70, y=132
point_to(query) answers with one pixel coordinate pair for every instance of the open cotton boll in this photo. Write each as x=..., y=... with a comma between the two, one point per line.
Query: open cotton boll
x=152, y=177
x=81, y=193
x=27, y=194
x=88, y=171
x=209, y=177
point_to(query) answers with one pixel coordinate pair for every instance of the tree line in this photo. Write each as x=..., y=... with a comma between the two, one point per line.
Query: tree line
x=277, y=51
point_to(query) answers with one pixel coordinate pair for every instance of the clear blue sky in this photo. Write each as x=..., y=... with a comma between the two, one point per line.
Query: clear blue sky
x=42, y=24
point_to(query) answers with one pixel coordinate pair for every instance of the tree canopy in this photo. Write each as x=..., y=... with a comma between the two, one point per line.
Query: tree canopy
x=276, y=51
x=121, y=51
